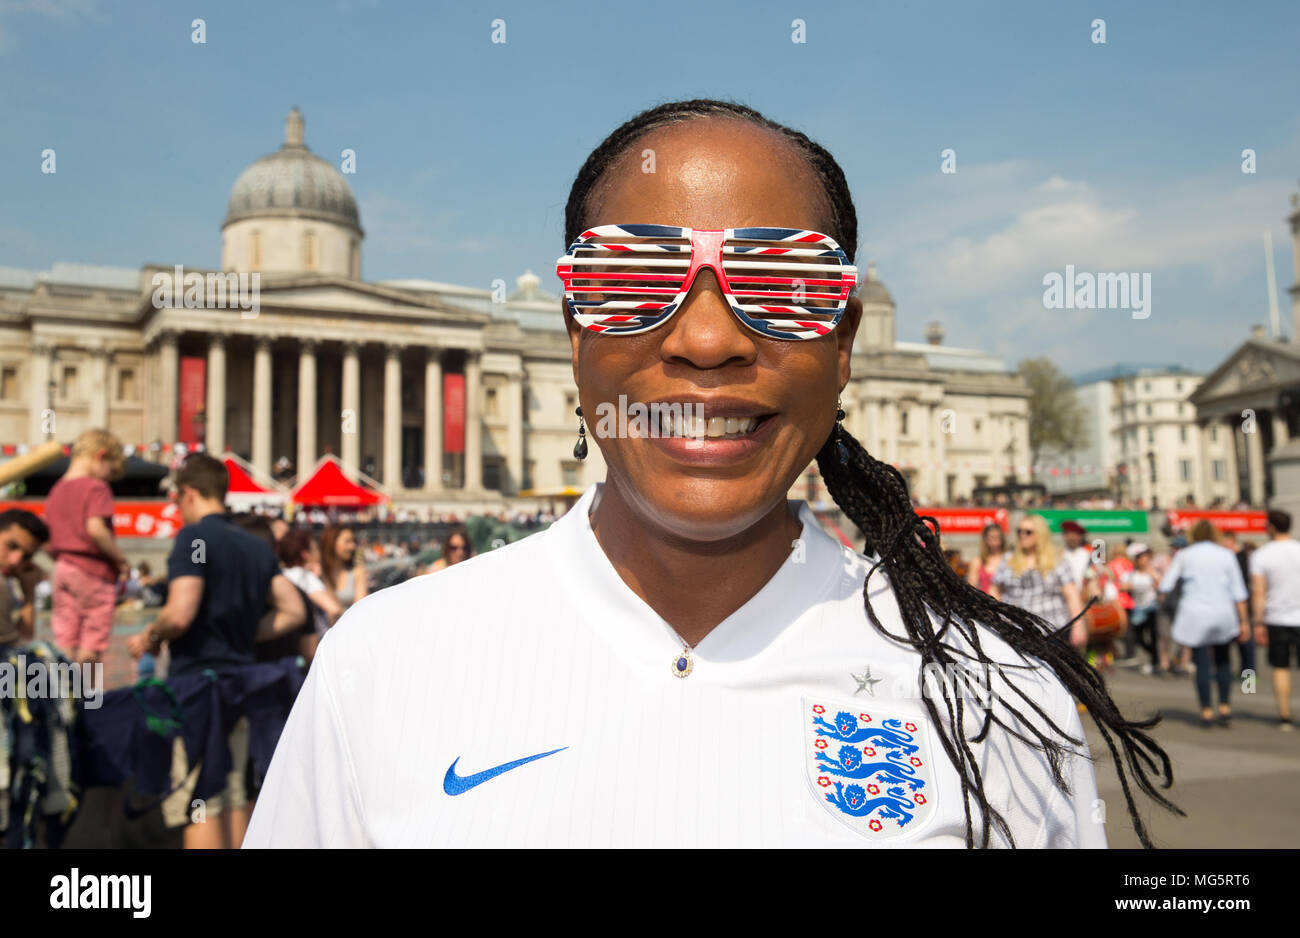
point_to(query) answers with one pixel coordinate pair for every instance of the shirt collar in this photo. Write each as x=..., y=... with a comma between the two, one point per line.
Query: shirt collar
x=596, y=589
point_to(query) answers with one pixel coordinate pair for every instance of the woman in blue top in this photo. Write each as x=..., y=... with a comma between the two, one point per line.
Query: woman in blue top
x=1211, y=613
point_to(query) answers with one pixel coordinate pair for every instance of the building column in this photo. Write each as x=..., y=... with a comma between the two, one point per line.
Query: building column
x=1204, y=481
x=433, y=421
x=939, y=455
x=515, y=433
x=925, y=471
x=168, y=386
x=214, y=437
x=1230, y=461
x=350, y=431
x=871, y=432
x=40, y=423
x=306, y=406
x=1281, y=436
x=99, y=389
x=1255, y=466
x=262, y=404
x=889, y=436
x=473, y=423
x=392, y=471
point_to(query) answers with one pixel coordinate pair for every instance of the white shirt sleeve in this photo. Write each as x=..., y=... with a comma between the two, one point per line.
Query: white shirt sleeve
x=310, y=797
x=1076, y=820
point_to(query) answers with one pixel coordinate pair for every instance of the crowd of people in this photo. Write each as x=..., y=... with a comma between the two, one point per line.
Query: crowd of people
x=92, y=577
x=1183, y=610
x=239, y=589
x=1029, y=500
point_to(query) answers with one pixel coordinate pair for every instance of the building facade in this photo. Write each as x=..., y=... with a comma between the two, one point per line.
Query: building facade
x=1251, y=402
x=1167, y=458
x=452, y=396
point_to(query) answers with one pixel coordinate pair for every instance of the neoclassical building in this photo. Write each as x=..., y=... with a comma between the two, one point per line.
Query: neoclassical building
x=452, y=396
x=1253, y=400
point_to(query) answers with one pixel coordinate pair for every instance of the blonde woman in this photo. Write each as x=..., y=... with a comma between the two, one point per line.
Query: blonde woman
x=1037, y=577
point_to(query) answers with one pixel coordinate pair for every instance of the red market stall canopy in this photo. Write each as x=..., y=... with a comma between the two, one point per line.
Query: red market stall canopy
x=243, y=490
x=329, y=486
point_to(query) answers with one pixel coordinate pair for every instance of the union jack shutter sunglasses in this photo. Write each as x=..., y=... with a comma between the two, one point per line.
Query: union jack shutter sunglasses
x=784, y=283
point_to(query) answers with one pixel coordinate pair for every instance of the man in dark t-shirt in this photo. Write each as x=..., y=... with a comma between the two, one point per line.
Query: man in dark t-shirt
x=236, y=569
x=225, y=592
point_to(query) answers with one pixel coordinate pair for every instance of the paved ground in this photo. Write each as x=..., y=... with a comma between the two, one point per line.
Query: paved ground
x=1240, y=786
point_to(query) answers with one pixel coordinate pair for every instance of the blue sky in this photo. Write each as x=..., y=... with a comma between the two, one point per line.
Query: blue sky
x=1117, y=157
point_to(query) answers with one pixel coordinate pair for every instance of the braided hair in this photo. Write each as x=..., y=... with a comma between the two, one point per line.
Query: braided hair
x=938, y=609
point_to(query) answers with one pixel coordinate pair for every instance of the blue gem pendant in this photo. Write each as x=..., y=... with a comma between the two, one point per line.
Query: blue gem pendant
x=683, y=664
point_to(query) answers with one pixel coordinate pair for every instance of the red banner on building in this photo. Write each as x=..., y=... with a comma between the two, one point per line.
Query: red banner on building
x=1242, y=522
x=453, y=413
x=967, y=520
x=193, y=399
x=130, y=518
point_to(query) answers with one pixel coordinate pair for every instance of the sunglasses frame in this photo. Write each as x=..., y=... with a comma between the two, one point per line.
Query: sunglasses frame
x=708, y=248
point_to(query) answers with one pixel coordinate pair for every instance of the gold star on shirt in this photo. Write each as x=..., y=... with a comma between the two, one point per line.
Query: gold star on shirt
x=866, y=682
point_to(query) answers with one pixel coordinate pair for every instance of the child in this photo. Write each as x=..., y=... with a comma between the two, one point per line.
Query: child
x=87, y=560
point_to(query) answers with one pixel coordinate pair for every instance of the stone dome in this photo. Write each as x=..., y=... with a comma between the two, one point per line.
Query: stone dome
x=293, y=182
x=871, y=290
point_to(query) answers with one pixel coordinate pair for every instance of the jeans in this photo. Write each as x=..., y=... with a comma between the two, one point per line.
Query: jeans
x=1142, y=625
x=1201, y=656
x=1247, y=652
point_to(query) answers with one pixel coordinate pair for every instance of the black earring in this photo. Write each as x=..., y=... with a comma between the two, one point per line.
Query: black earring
x=840, y=450
x=580, y=448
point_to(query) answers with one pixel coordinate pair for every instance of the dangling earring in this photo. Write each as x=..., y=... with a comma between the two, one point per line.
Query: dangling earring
x=580, y=448
x=840, y=450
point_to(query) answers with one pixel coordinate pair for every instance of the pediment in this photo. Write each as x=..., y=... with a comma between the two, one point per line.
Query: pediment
x=356, y=298
x=1255, y=366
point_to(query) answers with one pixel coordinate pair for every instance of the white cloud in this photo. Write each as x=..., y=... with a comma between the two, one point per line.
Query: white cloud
x=62, y=11
x=974, y=254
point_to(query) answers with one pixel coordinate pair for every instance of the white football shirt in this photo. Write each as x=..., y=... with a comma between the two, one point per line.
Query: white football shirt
x=527, y=697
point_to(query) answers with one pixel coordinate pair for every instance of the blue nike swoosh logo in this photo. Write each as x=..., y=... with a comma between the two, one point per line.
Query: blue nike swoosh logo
x=454, y=784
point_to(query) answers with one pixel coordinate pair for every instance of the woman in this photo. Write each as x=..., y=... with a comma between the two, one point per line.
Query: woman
x=992, y=546
x=455, y=549
x=664, y=663
x=1102, y=582
x=1037, y=578
x=342, y=567
x=1143, y=586
x=1211, y=614
x=299, y=558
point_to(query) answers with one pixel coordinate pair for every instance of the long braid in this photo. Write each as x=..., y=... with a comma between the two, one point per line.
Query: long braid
x=874, y=497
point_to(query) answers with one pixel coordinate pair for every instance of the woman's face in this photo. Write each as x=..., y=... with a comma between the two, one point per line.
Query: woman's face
x=456, y=549
x=993, y=539
x=712, y=174
x=345, y=546
x=1027, y=537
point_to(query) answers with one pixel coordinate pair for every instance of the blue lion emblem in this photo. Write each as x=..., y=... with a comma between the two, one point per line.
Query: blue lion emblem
x=889, y=735
x=850, y=765
x=853, y=801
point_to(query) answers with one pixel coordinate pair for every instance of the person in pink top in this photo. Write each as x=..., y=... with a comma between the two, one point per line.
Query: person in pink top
x=992, y=548
x=87, y=560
